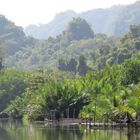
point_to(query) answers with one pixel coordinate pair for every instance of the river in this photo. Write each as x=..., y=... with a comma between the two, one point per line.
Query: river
x=10, y=130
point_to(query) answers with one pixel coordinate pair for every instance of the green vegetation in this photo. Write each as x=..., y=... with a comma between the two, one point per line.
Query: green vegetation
x=12, y=37
x=12, y=84
x=77, y=74
x=79, y=29
x=1, y=58
x=64, y=51
x=68, y=45
x=107, y=94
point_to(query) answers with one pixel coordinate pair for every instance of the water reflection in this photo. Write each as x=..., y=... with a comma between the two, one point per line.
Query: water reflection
x=18, y=131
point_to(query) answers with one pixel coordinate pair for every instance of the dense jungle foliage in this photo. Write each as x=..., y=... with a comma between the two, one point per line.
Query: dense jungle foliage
x=77, y=74
x=108, y=94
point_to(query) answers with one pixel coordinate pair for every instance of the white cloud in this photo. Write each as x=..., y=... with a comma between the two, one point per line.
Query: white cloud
x=24, y=12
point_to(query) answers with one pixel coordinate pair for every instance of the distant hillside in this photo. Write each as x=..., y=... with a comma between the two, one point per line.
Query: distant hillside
x=53, y=28
x=76, y=47
x=12, y=37
x=111, y=21
x=129, y=15
x=66, y=50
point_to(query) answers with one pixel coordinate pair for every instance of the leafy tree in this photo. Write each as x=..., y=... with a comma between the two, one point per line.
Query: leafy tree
x=1, y=57
x=72, y=65
x=82, y=67
x=80, y=29
x=12, y=84
x=135, y=30
x=131, y=71
x=68, y=66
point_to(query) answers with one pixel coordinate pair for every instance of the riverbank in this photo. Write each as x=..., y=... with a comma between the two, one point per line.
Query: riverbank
x=91, y=124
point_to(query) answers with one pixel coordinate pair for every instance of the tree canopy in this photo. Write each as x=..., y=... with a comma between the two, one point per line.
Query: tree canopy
x=80, y=29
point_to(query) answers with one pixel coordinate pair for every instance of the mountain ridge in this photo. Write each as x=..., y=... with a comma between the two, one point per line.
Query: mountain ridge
x=101, y=20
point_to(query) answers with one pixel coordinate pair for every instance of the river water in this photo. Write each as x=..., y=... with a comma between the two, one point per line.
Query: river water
x=19, y=131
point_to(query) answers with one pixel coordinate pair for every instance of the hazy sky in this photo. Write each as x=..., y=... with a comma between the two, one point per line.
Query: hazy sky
x=24, y=12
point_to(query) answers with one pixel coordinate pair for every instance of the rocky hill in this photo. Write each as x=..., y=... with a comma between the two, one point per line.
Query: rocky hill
x=111, y=21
